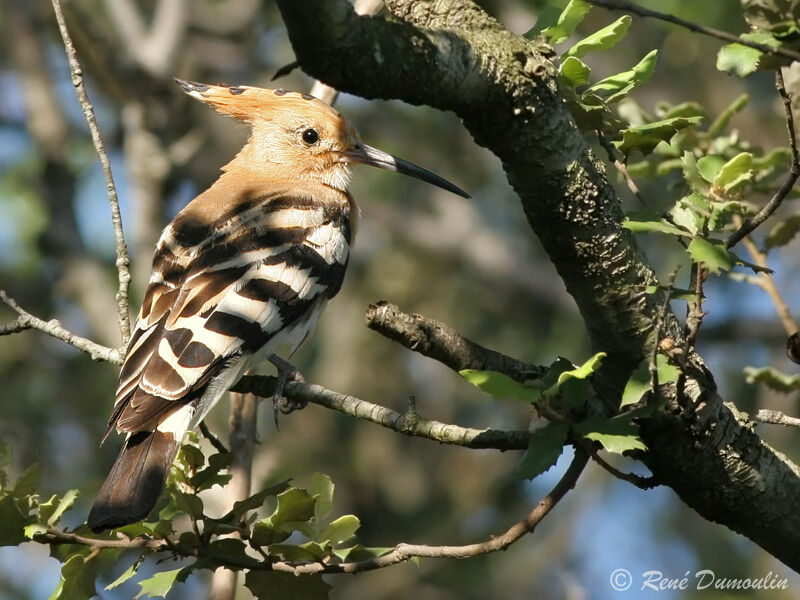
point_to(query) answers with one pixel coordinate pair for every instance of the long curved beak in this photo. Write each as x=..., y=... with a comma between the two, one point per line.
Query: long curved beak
x=368, y=155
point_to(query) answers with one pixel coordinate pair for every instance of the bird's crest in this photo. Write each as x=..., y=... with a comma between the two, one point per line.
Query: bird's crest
x=248, y=103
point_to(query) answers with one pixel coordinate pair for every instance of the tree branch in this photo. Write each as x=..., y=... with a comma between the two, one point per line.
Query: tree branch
x=450, y=55
x=774, y=203
x=716, y=33
x=54, y=328
x=766, y=282
x=776, y=417
x=400, y=553
x=409, y=422
x=123, y=262
x=436, y=340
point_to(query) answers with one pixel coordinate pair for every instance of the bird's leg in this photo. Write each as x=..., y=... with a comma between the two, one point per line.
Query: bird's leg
x=286, y=372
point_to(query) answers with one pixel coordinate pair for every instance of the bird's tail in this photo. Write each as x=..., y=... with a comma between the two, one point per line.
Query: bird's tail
x=136, y=480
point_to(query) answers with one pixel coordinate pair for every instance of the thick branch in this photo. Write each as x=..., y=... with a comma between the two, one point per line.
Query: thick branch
x=409, y=422
x=436, y=340
x=450, y=55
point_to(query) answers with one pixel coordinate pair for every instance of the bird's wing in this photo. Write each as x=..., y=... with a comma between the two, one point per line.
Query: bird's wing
x=221, y=290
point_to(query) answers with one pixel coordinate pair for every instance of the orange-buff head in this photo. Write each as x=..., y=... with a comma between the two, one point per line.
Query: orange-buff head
x=295, y=135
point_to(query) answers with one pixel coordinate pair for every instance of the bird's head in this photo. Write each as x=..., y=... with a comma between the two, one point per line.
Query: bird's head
x=301, y=136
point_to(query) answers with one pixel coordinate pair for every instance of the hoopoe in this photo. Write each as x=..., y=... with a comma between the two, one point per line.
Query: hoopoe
x=244, y=270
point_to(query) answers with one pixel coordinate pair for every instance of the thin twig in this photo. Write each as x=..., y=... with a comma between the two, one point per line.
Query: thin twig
x=774, y=203
x=694, y=319
x=123, y=262
x=722, y=35
x=662, y=317
x=400, y=553
x=643, y=483
x=54, y=328
x=213, y=439
x=766, y=282
x=619, y=165
x=776, y=417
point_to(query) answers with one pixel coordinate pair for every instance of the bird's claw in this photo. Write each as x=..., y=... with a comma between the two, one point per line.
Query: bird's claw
x=286, y=372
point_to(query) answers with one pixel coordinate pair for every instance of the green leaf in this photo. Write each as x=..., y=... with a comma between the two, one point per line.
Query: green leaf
x=710, y=166
x=77, y=579
x=646, y=137
x=583, y=371
x=691, y=173
x=191, y=457
x=159, y=585
x=722, y=213
x=359, y=552
x=735, y=172
x=721, y=122
x=676, y=293
x=667, y=373
x=574, y=72
x=28, y=482
x=773, y=379
x=638, y=384
x=340, y=530
x=783, y=232
x=191, y=504
x=12, y=522
x=713, y=254
x=616, y=435
x=569, y=19
x=295, y=504
x=743, y=60
x=776, y=158
x=616, y=87
x=51, y=511
x=717, y=257
x=547, y=16
x=211, y=475
x=229, y=547
x=499, y=385
x=308, y=552
x=34, y=529
x=321, y=489
x=544, y=447
x=255, y=501
x=659, y=226
x=684, y=109
x=129, y=572
x=603, y=39
x=272, y=585
x=264, y=534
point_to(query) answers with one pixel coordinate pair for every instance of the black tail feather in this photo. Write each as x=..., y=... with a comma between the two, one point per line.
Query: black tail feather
x=135, y=482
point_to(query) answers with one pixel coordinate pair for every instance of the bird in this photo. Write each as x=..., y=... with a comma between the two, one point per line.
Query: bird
x=241, y=272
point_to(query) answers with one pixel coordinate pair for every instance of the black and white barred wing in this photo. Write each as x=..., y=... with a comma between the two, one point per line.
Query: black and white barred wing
x=226, y=293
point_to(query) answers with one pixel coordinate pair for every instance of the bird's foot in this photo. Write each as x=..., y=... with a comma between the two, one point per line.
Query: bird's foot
x=286, y=372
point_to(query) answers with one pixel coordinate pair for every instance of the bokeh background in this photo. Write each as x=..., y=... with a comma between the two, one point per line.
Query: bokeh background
x=473, y=264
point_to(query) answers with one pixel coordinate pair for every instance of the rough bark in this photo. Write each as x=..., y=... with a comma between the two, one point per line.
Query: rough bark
x=450, y=55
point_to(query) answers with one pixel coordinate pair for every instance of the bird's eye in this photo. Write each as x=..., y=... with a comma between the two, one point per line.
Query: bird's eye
x=310, y=136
